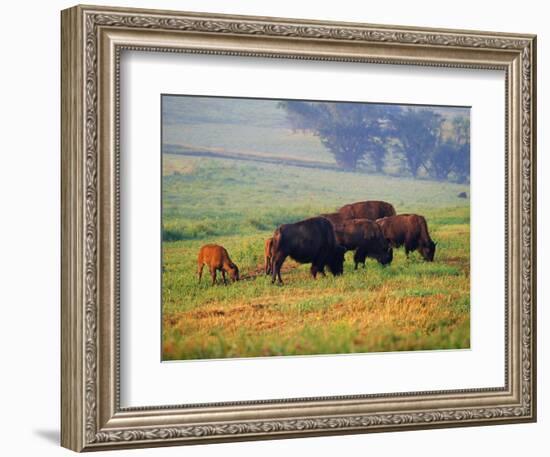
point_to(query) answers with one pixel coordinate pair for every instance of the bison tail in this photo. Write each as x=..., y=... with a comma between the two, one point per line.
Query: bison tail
x=277, y=257
x=277, y=238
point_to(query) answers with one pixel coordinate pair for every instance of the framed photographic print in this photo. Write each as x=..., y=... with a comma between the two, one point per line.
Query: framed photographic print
x=282, y=228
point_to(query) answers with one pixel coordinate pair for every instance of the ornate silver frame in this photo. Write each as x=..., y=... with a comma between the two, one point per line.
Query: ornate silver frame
x=92, y=40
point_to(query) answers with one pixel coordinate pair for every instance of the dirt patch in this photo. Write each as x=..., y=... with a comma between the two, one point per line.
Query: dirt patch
x=458, y=262
x=205, y=314
x=454, y=260
x=259, y=271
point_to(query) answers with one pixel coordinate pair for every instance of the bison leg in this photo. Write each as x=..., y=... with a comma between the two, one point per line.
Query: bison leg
x=410, y=246
x=313, y=270
x=213, y=274
x=276, y=264
x=199, y=271
x=317, y=268
x=223, y=276
x=359, y=257
x=267, y=265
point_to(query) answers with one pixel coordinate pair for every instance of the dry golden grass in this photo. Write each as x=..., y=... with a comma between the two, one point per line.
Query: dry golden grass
x=389, y=311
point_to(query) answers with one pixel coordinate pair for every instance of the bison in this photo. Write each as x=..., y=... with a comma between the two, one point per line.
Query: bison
x=410, y=230
x=267, y=255
x=308, y=241
x=217, y=258
x=335, y=218
x=367, y=210
x=365, y=238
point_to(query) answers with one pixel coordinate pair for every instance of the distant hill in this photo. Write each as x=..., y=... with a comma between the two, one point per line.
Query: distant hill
x=254, y=127
x=178, y=110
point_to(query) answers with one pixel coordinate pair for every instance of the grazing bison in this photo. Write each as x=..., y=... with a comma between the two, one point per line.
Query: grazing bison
x=267, y=255
x=365, y=238
x=308, y=241
x=367, y=210
x=462, y=195
x=411, y=231
x=335, y=218
x=217, y=258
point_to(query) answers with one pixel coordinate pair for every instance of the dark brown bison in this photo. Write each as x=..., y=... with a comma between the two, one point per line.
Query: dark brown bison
x=367, y=210
x=267, y=255
x=365, y=238
x=411, y=231
x=308, y=241
x=216, y=258
x=335, y=218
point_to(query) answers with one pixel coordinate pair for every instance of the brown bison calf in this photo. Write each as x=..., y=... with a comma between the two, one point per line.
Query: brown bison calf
x=217, y=258
x=411, y=231
x=372, y=210
x=267, y=255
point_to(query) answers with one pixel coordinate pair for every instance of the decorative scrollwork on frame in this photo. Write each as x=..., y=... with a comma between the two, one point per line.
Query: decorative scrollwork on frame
x=302, y=425
x=95, y=20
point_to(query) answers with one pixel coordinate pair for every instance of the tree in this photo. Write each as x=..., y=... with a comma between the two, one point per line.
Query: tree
x=377, y=151
x=350, y=131
x=443, y=159
x=461, y=164
x=451, y=158
x=301, y=115
x=359, y=132
x=418, y=132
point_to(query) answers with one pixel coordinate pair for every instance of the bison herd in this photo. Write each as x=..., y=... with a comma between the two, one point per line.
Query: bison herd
x=370, y=229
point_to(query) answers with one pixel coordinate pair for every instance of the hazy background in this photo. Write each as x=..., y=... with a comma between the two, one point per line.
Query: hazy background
x=398, y=140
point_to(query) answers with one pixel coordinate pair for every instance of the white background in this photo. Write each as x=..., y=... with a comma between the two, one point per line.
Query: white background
x=29, y=184
x=145, y=75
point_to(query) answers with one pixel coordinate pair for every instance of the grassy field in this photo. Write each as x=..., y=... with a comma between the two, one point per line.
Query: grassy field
x=409, y=305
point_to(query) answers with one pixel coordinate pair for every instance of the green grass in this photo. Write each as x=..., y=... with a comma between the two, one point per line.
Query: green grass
x=203, y=198
x=408, y=305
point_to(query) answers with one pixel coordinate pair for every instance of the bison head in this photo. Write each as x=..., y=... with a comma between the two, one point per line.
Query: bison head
x=234, y=272
x=428, y=251
x=385, y=257
x=336, y=260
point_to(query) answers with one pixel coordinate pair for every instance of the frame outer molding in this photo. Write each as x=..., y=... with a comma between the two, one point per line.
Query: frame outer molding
x=72, y=227
x=90, y=414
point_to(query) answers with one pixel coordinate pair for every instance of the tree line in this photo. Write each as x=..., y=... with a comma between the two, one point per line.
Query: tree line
x=421, y=140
